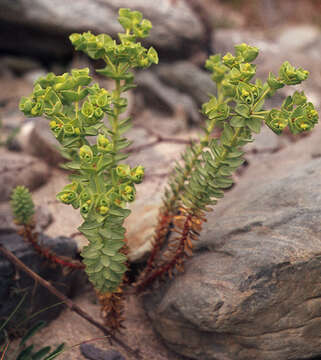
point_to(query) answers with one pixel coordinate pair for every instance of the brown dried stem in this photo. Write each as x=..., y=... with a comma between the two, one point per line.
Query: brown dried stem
x=188, y=226
x=166, y=216
x=159, y=238
x=175, y=260
x=31, y=237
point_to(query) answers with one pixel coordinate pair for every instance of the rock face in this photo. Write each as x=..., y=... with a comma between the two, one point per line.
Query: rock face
x=180, y=86
x=165, y=98
x=40, y=142
x=20, y=170
x=173, y=23
x=187, y=78
x=304, y=36
x=252, y=290
x=13, y=287
x=265, y=142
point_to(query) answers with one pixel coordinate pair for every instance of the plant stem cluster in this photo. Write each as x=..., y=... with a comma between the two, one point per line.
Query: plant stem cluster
x=237, y=111
x=102, y=185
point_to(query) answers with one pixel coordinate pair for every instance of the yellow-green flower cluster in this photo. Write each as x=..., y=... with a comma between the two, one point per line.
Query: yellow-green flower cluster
x=237, y=110
x=74, y=108
x=124, y=55
x=296, y=113
x=233, y=68
x=233, y=75
x=96, y=204
x=288, y=75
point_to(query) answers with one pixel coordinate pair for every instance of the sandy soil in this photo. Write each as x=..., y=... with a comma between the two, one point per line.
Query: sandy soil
x=72, y=329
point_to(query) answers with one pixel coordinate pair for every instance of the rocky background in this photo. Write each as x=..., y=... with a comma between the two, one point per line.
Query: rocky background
x=252, y=289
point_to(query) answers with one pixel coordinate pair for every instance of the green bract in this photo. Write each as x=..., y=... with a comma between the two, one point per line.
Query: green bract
x=77, y=109
x=292, y=76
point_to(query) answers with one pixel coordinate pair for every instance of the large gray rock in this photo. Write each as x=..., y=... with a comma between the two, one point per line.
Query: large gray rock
x=16, y=169
x=265, y=142
x=225, y=39
x=187, y=78
x=19, y=65
x=165, y=98
x=252, y=290
x=173, y=23
x=36, y=139
x=299, y=37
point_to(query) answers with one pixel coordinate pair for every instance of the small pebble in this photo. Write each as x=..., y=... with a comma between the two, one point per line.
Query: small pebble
x=92, y=353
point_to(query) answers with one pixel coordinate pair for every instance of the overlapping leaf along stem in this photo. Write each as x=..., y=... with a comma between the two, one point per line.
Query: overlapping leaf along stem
x=208, y=167
x=112, y=303
x=171, y=204
x=101, y=185
x=187, y=222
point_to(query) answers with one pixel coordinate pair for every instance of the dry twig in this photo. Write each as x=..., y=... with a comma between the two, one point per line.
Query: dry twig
x=69, y=303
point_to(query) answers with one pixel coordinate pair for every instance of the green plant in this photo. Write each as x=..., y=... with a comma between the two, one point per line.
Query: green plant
x=22, y=205
x=237, y=110
x=102, y=186
x=23, y=351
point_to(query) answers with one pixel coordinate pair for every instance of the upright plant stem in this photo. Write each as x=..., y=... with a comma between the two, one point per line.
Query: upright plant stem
x=168, y=211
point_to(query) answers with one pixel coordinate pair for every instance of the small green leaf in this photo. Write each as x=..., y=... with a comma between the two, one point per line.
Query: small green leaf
x=70, y=96
x=26, y=353
x=254, y=124
x=110, y=233
x=90, y=254
x=73, y=165
x=105, y=260
x=227, y=134
x=31, y=332
x=233, y=162
x=119, y=257
x=152, y=55
x=243, y=110
x=56, y=352
x=39, y=355
x=235, y=154
x=120, y=212
x=237, y=121
x=118, y=268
